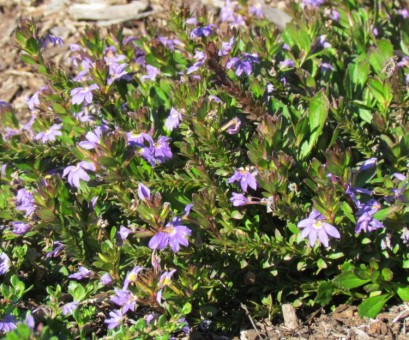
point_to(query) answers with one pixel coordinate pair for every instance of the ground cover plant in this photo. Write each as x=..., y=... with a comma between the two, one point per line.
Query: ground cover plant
x=167, y=179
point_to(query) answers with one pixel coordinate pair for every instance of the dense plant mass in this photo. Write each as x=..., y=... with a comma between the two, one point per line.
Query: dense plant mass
x=169, y=178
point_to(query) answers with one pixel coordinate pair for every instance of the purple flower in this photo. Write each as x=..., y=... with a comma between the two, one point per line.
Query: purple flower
x=83, y=273
x=69, y=308
x=50, y=134
x=5, y=263
x=117, y=319
x=204, y=31
x=152, y=72
x=54, y=253
x=256, y=10
x=246, y=179
x=404, y=62
x=322, y=41
x=368, y=164
x=239, y=200
x=173, y=120
x=404, y=13
x=165, y=280
x=132, y=276
x=125, y=299
x=52, y=39
x=161, y=149
x=122, y=235
x=174, y=235
x=244, y=63
x=75, y=173
x=405, y=235
x=314, y=227
x=139, y=140
x=106, y=279
x=286, y=63
x=233, y=126
x=34, y=100
x=171, y=43
x=332, y=14
x=200, y=57
x=83, y=94
x=93, y=139
x=25, y=202
x=312, y=3
x=191, y=21
x=30, y=322
x=8, y=323
x=226, y=47
x=326, y=67
x=20, y=228
x=117, y=71
x=366, y=222
x=143, y=192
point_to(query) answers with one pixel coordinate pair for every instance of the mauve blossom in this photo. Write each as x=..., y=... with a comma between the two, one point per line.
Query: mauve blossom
x=366, y=222
x=152, y=72
x=368, y=164
x=238, y=200
x=83, y=273
x=326, y=67
x=139, y=140
x=200, y=57
x=226, y=47
x=191, y=21
x=204, y=31
x=173, y=120
x=322, y=41
x=5, y=263
x=69, y=308
x=25, y=202
x=246, y=179
x=75, y=173
x=8, y=323
x=106, y=279
x=56, y=251
x=81, y=95
x=165, y=280
x=286, y=63
x=312, y=3
x=256, y=9
x=315, y=228
x=29, y=321
x=404, y=62
x=93, y=139
x=144, y=193
x=117, y=71
x=233, y=126
x=161, y=149
x=50, y=134
x=122, y=235
x=132, y=276
x=404, y=13
x=20, y=228
x=215, y=99
x=34, y=101
x=171, y=43
x=50, y=39
x=332, y=14
x=405, y=235
x=125, y=299
x=243, y=63
x=174, y=235
x=117, y=319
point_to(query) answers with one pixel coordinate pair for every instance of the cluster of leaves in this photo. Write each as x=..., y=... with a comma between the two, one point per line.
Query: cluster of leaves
x=168, y=178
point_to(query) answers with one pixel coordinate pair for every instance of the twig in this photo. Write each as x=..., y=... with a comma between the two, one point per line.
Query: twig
x=244, y=307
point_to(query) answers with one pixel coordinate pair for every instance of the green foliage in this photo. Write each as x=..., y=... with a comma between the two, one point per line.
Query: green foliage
x=197, y=183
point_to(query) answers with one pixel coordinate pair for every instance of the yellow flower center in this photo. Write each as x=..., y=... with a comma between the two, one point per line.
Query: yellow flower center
x=317, y=224
x=170, y=230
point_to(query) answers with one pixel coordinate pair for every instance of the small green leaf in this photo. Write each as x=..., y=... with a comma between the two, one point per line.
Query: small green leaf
x=373, y=305
x=403, y=292
x=324, y=294
x=349, y=280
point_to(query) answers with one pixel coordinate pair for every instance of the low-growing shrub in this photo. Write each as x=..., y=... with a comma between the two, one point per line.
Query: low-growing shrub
x=167, y=179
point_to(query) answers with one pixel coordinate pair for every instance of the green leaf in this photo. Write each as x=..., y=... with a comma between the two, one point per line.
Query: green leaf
x=25, y=58
x=403, y=293
x=373, y=305
x=317, y=115
x=348, y=280
x=324, y=294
